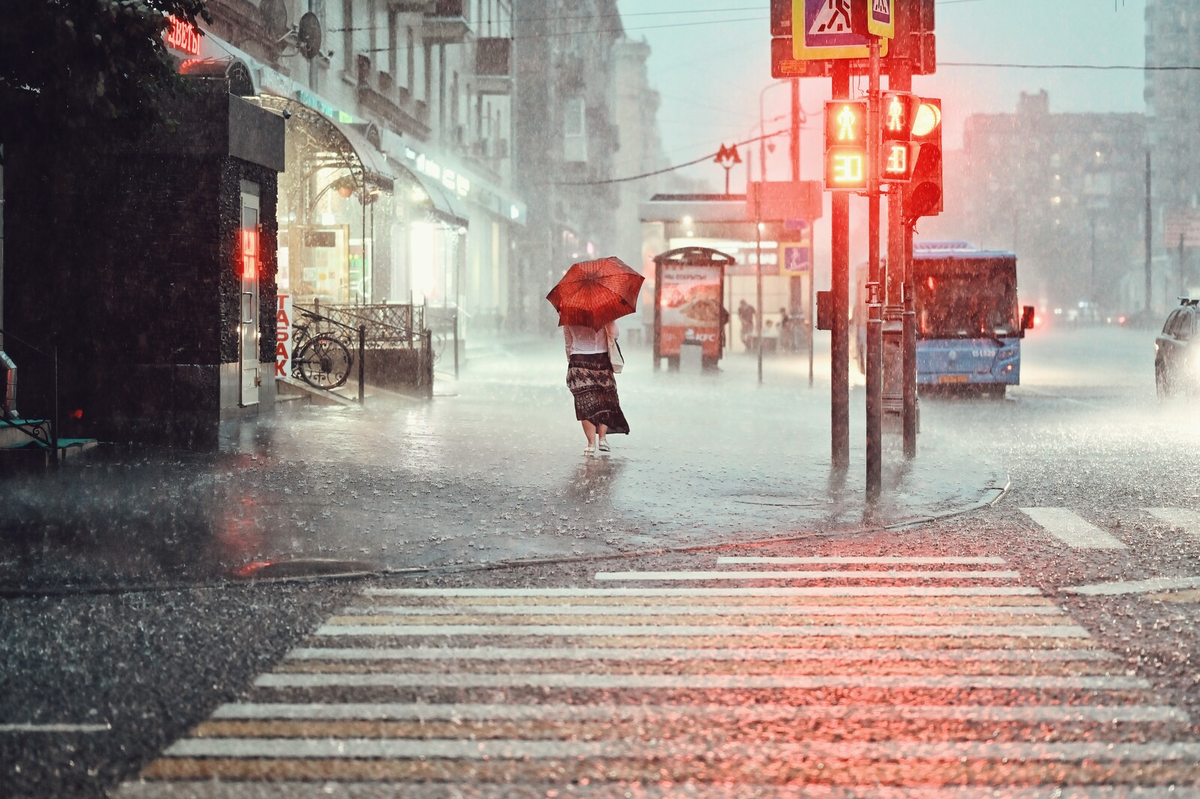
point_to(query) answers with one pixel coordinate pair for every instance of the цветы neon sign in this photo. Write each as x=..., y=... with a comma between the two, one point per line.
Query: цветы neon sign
x=183, y=36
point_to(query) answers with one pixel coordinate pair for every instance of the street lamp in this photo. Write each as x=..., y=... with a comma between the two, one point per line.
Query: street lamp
x=758, y=226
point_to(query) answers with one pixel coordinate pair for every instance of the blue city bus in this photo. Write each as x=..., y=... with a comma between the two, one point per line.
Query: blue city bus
x=969, y=327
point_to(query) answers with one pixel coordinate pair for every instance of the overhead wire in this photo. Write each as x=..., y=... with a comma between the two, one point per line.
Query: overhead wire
x=1110, y=67
x=665, y=170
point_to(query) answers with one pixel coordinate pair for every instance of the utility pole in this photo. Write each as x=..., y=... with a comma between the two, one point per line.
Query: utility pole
x=840, y=289
x=874, y=302
x=758, y=316
x=795, y=130
x=808, y=307
x=1149, y=240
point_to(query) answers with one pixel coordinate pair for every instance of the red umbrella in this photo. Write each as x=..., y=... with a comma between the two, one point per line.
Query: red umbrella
x=593, y=293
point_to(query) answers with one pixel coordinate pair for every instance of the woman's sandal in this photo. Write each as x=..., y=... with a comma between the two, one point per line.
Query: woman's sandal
x=589, y=450
x=604, y=446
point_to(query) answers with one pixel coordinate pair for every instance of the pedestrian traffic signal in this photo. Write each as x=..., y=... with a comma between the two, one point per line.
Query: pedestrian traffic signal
x=846, y=146
x=924, y=195
x=899, y=111
x=899, y=160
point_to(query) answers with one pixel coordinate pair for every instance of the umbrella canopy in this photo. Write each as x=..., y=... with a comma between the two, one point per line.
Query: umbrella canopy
x=594, y=293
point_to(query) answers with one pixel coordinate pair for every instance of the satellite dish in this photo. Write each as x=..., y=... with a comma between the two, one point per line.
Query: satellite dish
x=308, y=35
x=275, y=18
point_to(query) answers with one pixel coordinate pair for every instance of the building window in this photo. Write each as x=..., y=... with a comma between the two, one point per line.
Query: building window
x=372, y=38
x=410, y=52
x=348, y=36
x=427, y=73
x=574, y=130
x=393, y=59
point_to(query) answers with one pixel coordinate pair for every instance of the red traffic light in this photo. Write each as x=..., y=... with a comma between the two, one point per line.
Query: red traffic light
x=924, y=195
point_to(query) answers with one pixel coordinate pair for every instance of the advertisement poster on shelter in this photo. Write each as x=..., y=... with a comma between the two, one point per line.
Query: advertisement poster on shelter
x=690, y=307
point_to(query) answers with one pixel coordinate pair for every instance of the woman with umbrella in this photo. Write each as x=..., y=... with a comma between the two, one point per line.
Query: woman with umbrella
x=589, y=299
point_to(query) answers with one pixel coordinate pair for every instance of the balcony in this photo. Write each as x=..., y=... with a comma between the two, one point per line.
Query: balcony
x=447, y=24
x=493, y=66
x=377, y=90
x=413, y=6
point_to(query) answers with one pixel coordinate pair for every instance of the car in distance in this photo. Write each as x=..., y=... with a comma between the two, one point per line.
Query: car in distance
x=1176, y=357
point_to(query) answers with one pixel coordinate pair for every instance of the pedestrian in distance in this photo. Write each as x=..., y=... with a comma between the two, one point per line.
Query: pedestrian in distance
x=746, y=317
x=591, y=379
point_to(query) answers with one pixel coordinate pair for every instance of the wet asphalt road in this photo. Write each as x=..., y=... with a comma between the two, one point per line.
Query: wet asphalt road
x=136, y=671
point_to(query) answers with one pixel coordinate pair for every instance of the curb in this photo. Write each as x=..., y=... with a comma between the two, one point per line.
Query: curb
x=363, y=574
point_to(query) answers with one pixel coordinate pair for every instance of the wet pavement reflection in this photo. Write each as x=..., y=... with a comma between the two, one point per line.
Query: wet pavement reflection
x=491, y=472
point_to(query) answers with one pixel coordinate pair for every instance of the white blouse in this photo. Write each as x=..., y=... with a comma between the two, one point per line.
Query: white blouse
x=582, y=340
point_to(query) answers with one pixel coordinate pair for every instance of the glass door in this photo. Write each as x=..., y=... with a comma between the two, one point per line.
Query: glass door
x=251, y=376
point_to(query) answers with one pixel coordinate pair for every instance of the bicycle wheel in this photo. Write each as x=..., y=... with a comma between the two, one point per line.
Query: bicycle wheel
x=324, y=362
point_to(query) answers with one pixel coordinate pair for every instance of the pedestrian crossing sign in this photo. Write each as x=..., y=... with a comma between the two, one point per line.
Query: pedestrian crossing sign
x=881, y=21
x=795, y=257
x=822, y=29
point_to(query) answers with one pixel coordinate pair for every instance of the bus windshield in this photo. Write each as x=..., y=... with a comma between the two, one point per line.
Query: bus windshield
x=958, y=298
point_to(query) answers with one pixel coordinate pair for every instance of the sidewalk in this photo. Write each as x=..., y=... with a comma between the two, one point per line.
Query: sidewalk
x=490, y=471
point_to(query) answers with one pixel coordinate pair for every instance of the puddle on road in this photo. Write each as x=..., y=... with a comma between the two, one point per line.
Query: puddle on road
x=304, y=568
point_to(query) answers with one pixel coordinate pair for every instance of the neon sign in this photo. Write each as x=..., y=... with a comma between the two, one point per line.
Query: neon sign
x=250, y=253
x=182, y=35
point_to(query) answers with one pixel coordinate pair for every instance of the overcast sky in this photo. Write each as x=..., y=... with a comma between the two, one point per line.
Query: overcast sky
x=710, y=60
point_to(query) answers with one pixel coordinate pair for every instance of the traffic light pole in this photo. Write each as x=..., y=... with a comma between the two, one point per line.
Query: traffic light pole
x=874, y=302
x=900, y=283
x=840, y=289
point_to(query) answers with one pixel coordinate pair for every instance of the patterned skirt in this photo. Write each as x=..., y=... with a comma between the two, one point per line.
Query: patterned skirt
x=590, y=378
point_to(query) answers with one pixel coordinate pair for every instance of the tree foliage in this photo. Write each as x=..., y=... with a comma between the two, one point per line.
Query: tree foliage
x=71, y=65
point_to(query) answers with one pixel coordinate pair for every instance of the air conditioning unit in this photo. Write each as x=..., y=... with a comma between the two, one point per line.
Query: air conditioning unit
x=364, y=71
x=493, y=56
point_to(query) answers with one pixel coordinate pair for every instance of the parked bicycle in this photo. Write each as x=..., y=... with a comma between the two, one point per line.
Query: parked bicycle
x=318, y=358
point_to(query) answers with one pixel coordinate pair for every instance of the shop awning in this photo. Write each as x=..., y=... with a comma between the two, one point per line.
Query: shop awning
x=444, y=203
x=335, y=145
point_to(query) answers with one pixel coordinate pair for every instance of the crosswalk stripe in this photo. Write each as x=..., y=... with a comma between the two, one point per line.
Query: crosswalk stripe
x=697, y=681
x=1135, y=586
x=425, y=711
x=1186, y=518
x=705, y=610
x=1070, y=528
x=776, y=591
x=616, y=688
x=324, y=788
x=732, y=630
x=51, y=727
x=681, y=654
x=894, y=574
x=517, y=749
x=895, y=561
